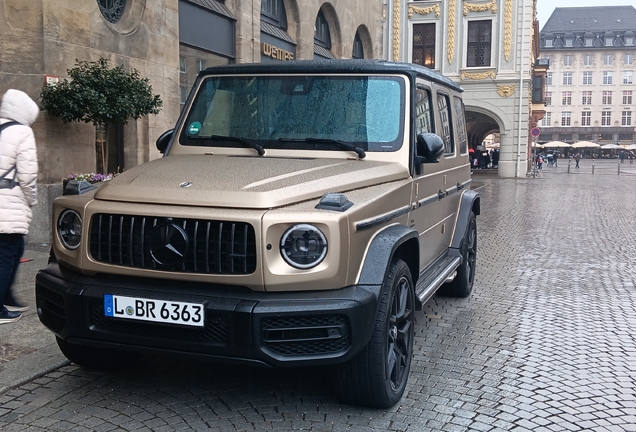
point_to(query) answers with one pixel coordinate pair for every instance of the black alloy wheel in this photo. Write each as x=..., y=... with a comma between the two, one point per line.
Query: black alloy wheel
x=377, y=376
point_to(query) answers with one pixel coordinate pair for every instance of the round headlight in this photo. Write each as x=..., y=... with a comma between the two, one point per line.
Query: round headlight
x=303, y=246
x=69, y=228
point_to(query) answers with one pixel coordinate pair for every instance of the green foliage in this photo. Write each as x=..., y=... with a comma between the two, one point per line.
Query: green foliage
x=100, y=95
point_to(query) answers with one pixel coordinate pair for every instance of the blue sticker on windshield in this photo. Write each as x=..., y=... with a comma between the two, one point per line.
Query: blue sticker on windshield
x=194, y=128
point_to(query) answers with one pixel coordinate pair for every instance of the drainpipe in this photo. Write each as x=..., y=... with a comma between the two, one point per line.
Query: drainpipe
x=523, y=39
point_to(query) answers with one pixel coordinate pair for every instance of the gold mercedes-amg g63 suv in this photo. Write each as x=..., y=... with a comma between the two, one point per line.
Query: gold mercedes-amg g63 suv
x=302, y=212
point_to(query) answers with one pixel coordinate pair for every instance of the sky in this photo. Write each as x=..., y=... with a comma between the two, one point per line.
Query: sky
x=546, y=7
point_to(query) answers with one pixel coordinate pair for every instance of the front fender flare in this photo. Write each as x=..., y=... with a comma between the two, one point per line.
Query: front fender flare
x=382, y=250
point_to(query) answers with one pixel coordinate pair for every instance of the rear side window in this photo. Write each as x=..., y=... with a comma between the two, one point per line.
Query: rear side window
x=443, y=105
x=423, y=111
x=461, y=124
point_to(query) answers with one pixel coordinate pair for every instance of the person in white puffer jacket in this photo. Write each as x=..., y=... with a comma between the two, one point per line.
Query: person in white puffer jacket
x=18, y=193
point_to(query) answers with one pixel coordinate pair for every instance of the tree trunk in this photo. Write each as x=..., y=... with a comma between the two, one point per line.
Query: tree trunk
x=100, y=149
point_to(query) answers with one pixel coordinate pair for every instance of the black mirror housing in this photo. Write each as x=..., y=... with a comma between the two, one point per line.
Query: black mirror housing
x=164, y=140
x=430, y=146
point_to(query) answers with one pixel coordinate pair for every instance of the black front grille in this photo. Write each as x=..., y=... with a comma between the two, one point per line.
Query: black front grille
x=307, y=335
x=210, y=247
x=216, y=327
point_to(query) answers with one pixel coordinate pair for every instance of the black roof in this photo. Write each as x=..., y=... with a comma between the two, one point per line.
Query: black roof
x=334, y=66
x=591, y=18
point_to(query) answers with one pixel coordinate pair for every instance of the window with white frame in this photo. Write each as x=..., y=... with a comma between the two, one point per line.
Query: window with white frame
x=183, y=66
x=586, y=98
x=567, y=78
x=628, y=77
x=627, y=97
x=587, y=78
x=609, y=40
x=607, y=97
x=626, y=118
x=548, y=79
x=628, y=59
x=479, y=43
x=548, y=43
x=629, y=40
x=588, y=59
x=549, y=59
x=548, y=98
x=569, y=42
x=566, y=117
x=589, y=41
x=608, y=59
x=606, y=118
x=567, y=98
x=424, y=45
x=607, y=77
x=568, y=60
x=546, y=120
x=586, y=118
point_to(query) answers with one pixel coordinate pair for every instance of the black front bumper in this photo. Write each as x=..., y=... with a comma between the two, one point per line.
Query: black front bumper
x=275, y=329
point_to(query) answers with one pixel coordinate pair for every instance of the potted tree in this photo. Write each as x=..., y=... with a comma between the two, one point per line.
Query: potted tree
x=105, y=97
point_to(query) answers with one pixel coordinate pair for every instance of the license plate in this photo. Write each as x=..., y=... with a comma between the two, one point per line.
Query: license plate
x=154, y=310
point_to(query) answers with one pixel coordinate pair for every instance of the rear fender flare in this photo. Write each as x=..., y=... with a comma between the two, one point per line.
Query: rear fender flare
x=470, y=202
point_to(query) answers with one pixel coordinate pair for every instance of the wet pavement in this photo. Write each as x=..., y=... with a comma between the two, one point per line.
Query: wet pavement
x=547, y=341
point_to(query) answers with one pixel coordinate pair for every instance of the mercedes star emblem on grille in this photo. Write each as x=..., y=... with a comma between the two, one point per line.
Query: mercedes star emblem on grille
x=168, y=244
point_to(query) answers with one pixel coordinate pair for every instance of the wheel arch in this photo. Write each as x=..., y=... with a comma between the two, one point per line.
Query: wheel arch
x=470, y=203
x=393, y=241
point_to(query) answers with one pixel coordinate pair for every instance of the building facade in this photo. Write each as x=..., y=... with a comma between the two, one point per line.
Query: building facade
x=590, y=93
x=485, y=46
x=169, y=42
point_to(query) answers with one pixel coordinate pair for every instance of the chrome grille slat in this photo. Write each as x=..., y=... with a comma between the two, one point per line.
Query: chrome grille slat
x=214, y=247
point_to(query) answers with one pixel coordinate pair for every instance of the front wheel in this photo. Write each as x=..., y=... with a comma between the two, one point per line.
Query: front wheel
x=377, y=376
x=96, y=358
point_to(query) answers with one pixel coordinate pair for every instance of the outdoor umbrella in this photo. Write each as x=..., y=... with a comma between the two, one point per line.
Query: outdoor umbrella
x=556, y=144
x=611, y=147
x=535, y=145
x=584, y=144
x=630, y=147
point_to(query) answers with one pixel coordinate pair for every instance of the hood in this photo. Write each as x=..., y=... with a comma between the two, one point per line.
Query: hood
x=244, y=181
x=16, y=105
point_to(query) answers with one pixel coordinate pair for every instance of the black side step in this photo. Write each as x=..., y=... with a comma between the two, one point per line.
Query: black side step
x=433, y=277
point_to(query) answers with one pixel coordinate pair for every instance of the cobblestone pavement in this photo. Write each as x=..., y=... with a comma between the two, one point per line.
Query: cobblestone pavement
x=545, y=343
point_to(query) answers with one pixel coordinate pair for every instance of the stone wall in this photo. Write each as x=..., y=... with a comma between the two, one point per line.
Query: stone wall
x=47, y=37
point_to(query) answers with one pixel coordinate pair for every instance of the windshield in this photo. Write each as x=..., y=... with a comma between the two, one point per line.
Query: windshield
x=282, y=112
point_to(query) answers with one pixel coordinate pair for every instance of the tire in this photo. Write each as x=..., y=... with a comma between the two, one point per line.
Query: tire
x=97, y=358
x=462, y=285
x=377, y=376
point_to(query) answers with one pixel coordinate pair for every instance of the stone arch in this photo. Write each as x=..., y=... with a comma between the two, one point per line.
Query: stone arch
x=335, y=29
x=481, y=123
x=365, y=36
x=293, y=20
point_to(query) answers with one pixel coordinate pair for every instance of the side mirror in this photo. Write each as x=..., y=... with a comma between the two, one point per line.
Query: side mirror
x=164, y=140
x=430, y=148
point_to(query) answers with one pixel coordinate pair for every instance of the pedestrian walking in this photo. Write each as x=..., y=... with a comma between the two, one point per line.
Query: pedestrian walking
x=631, y=157
x=555, y=158
x=539, y=162
x=577, y=158
x=18, y=177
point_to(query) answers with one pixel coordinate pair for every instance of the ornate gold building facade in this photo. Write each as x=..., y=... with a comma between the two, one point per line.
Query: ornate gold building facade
x=489, y=48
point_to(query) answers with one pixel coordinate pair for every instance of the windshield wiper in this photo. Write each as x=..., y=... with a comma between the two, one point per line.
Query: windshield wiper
x=342, y=144
x=259, y=148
